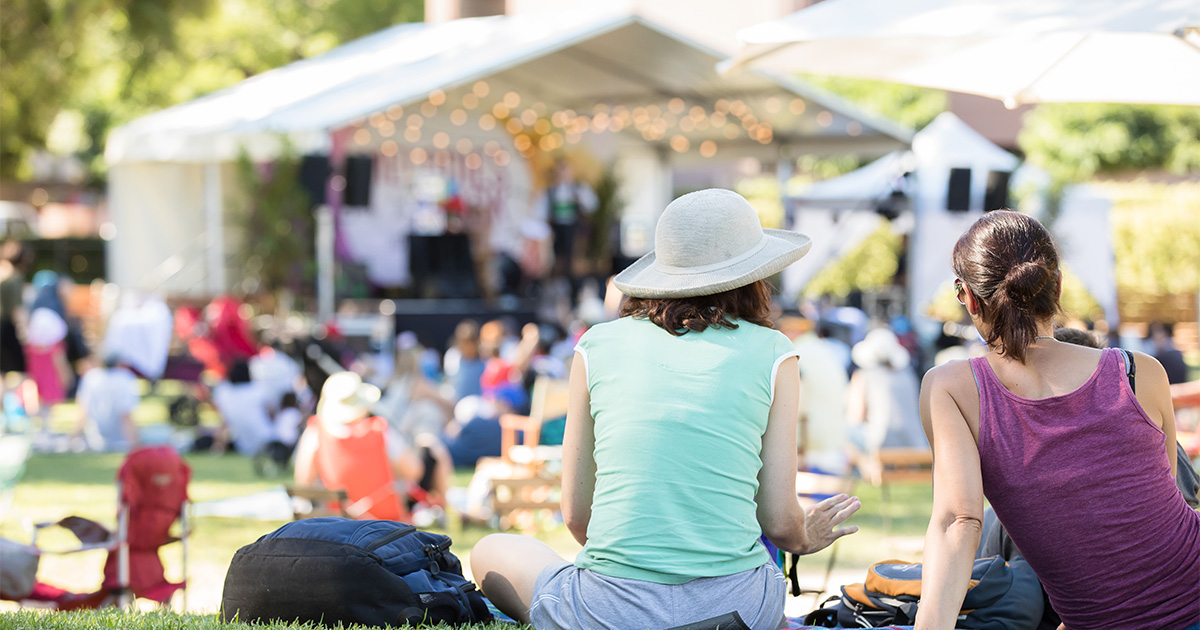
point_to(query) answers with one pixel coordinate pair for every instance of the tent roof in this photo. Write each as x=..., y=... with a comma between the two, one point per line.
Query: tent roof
x=947, y=142
x=572, y=59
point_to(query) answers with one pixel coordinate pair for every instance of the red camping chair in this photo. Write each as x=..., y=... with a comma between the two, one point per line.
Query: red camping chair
x=151, y=495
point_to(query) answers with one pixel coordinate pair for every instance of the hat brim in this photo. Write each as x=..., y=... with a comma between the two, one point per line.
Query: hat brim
x=644, y=279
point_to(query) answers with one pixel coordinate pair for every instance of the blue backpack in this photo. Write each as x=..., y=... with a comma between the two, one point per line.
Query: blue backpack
x=336, y=570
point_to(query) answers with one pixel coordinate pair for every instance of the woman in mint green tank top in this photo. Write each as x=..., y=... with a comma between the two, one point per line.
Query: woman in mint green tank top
x=680, y=444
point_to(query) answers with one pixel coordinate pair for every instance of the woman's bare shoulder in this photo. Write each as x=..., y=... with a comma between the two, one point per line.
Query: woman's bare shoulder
x=952, y=376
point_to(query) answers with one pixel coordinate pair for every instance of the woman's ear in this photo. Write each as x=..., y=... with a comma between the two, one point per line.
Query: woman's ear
x=972, y=303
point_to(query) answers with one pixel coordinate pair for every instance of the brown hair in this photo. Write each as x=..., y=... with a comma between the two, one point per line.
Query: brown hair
x=751, y=303
x=1077, y=337
x=1009, y=263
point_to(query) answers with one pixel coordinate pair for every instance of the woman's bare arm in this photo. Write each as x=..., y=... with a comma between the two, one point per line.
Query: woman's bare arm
x=1154, y=395
x=957, y=519
x=579, y=462
x=780, y=516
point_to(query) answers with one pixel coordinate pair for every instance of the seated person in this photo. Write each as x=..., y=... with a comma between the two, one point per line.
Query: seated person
x=480, y=434
x=1074, y=459
x=107, y=396
x=245, y=412
x=345, y=447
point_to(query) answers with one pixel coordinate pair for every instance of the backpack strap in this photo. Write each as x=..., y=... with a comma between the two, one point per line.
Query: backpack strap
x=1130, y=368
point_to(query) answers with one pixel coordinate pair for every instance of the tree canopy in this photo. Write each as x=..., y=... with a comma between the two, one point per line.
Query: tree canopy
x=75, y=70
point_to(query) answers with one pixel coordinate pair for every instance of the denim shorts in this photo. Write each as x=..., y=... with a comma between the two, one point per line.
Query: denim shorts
x=566, y=597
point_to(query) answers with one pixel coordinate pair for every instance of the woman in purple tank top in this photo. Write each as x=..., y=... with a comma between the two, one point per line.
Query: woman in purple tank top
x=1078, y=468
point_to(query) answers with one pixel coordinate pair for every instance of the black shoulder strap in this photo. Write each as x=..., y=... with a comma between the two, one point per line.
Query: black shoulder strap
x=1130, y=368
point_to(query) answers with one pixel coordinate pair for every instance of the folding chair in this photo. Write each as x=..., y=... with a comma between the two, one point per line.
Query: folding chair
x=152, y=495
x=891, y=465
x=531, y=477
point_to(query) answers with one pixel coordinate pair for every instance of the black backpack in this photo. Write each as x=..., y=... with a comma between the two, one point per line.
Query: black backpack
x=336, y=570
x=1002, y=596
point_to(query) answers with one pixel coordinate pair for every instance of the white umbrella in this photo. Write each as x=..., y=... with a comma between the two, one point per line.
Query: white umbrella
x=1018, y=51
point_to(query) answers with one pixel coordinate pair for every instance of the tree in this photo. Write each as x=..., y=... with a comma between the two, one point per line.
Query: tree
x=114, y=60
x=906, y=104
x=50, y=51
x=277, y=224
x=1075, y=142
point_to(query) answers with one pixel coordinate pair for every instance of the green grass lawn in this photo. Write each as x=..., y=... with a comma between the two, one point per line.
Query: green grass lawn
x=55, y=486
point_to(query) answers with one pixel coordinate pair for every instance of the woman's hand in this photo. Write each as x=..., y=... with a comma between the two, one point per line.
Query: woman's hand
x=821, y=519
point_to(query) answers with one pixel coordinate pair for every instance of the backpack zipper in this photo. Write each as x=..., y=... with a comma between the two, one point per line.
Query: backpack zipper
x=387, y=538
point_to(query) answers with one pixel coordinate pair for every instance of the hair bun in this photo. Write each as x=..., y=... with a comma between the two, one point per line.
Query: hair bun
x=1025, y=281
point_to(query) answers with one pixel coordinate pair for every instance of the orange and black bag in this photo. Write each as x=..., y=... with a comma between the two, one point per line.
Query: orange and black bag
x=1001, y=596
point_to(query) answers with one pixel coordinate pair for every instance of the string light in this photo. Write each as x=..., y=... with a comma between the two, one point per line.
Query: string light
x=377, y=119
x=796, y=107
x=437, y=97
x=513, y=125
x=542, y=126
x=491, y=147
x=428, y=109
x=481, y=89
x=718, y=119
x=487, y=122
x=825, y=119
x=470, y=101
x=773, y=104
x=415, y=121
x=512, y=100
x=501, y=158
x=388, y=129
x=528, y=117
x=458, y=117
x=412, y=134
x=687, y=125
x=395, y=112
x=546, y=144
x=389, y=148
x=441, y=139
x=708, y=148
x=500, y=110
x=854, y=128
x=676, y=105
x=464, y=146
x=522, y=142
x=362, y=137
x=473, y=161
x=680, y=143
x=417, y=156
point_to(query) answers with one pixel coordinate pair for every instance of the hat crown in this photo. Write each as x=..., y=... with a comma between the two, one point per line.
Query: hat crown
x=706, y=227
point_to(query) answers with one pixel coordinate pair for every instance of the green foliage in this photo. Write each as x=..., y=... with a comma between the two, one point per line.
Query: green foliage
x=277, y=224
x=871, y=265
x=906, y=104
x=1075, y=142
x=114, y=60
x=609, y=206
x=1156, y=237
x=56, y=55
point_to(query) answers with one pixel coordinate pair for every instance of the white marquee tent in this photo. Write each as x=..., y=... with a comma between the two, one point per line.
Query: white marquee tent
x=841, y=212
x=622, y=85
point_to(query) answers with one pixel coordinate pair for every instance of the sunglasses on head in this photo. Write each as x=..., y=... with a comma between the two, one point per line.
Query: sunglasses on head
x=959, y=287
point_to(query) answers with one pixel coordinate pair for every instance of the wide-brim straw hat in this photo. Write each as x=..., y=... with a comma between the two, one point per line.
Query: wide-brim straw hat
x=708, y=242
x=346, y=398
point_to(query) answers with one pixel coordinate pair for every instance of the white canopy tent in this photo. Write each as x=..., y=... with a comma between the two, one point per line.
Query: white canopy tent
x=1018, y=51
x=618, y=83
x=831, y=212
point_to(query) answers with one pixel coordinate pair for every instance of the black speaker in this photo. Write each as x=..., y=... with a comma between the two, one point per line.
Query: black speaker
x=358, y=180
x=958, y=195
x=314, y=172
x=996, y=196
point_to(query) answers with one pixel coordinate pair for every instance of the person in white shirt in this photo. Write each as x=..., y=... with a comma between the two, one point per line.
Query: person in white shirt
x=106, y=398
x=245, y=411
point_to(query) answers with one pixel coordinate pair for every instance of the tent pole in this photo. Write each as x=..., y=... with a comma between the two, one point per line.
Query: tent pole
x=330, y=243
x=214, y=212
